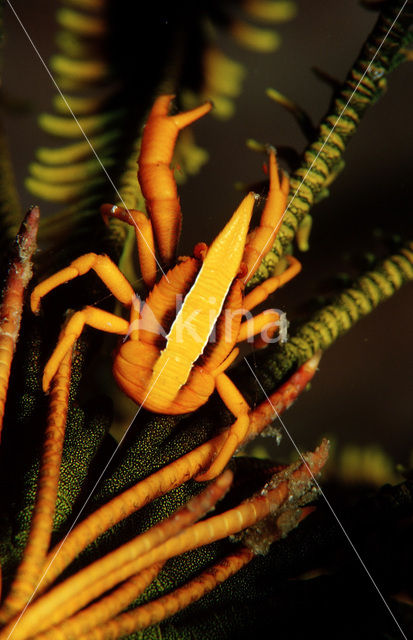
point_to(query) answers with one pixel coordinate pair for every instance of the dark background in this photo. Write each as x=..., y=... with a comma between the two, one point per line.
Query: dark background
x=363, y=391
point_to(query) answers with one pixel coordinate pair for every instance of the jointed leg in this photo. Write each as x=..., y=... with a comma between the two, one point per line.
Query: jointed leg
x=268, y=320
x=107, y=271
x=262, y=238
x=144, y=238
x=227, y=362
x=239, y=407
x=263, y=290
x=91, y=316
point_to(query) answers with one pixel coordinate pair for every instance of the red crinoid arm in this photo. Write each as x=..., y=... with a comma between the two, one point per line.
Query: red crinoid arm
x=20, y=272
x=155, y=176
x=283, y=398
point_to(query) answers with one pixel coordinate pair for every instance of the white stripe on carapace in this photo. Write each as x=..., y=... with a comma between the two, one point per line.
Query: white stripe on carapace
x=203, y=303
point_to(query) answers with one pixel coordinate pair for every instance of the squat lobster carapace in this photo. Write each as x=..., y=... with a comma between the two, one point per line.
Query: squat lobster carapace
x=175, y=370
x=191, y=329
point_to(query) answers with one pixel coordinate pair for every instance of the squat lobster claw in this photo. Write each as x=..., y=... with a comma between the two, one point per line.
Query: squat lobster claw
x=158, y=187
x=174, y=367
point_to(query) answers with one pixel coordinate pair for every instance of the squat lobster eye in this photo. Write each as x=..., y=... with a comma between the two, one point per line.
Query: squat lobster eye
x=176, y=369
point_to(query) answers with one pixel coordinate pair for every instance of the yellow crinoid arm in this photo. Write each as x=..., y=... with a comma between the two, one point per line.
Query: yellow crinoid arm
x=192, y=327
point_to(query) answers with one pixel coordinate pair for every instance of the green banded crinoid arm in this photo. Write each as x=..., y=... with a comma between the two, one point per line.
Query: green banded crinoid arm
x=88, y=117
x=335, y=319
x=384, y=49
x=251, y=26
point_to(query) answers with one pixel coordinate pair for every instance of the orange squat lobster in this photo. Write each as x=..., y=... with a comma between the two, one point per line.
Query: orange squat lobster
x=172, y=361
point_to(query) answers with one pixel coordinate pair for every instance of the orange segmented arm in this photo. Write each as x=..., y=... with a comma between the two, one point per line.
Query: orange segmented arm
x=167, y=478
x=296, y=480
x=30, y=568
x=19, y=274
x=123, y=505
x=155, y=176
x=87, y=625
x=103, y=610
x=90, y=593
x=162, y=608
x=67, y=597
x=78, y=590
x=202, y=305
x=158, y=610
